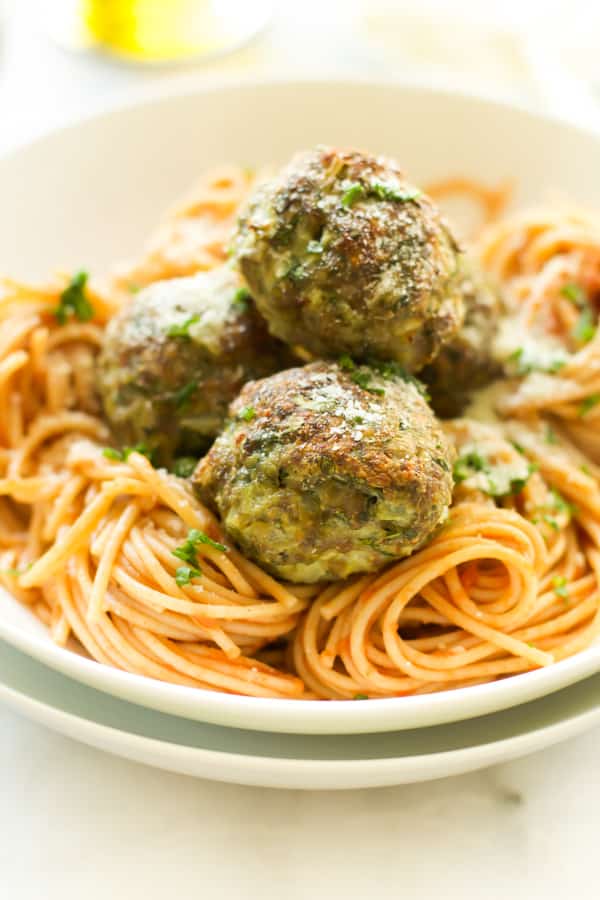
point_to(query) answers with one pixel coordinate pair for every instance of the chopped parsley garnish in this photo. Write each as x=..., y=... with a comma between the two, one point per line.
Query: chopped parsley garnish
x=586, y=470
x=385, y=192
x=550, y=436
x=74, y=302
x=346, y=362
x=556, y=504
x=588, y=403
x=585, y=327
x=555, y=366
x=559, y=585
x=296, y=273
x=183, y=396
x=395, y=370
x=112, y=453
x=390, y=369
x=184, y=574
x=380, y=191
x=361, y=697
x=355, y=192
x=143, y=449
x=517, y=484
x=199, y=537
x=387, y=370
x=551, y=521
x=133, y=288
x=187, y=552
x=517, y=357
x=358, y=420
x=241, y=298
x=525, y=364
x=466, y=465
x=518, y=447
x=575, y=294
x=14, y=573
x=184, y=466
x=363, y=380
x=496, y=480
x=183, y=329
x=124, y=454
x=559, y=503
x=248, y=413
x=314, y=247
x=442, y=463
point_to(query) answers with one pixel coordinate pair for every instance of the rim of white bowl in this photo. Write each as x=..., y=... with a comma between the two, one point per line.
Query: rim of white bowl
x=307, y=716
x=189, y=83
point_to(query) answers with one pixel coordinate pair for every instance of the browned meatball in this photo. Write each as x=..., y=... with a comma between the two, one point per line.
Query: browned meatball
x=343, y=255
x=467, y=362
x=328, y=470
x=175, y=357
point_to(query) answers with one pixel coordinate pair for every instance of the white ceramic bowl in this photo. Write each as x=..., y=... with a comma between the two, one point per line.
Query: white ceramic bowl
x=88, y=194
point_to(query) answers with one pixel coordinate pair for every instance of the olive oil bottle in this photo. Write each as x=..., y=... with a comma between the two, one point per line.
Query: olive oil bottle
x=159, y=31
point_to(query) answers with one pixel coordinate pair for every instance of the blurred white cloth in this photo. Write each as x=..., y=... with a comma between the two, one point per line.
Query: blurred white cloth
x=539, y=53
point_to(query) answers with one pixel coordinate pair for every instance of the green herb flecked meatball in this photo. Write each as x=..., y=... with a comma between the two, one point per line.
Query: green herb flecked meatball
x=342, y=255
x=328, y=470
x=467, y=362
x=175, y=357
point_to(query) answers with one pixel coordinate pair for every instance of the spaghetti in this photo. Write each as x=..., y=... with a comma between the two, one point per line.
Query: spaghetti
x=549, y=264
x=91, y=541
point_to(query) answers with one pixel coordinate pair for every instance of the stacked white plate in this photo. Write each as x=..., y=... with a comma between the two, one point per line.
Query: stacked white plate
x=271, y=759
x=129, y=164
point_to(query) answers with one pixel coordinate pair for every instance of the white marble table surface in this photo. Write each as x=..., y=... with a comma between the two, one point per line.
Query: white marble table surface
x=76, y=823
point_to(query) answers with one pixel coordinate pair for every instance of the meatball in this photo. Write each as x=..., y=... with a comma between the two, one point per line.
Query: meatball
x=328, y=470
x=342, y=255
x=467, y=362
x=175, y=357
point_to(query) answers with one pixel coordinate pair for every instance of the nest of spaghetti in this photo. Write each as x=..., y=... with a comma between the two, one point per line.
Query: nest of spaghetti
x=505, y=586
x=116, y=553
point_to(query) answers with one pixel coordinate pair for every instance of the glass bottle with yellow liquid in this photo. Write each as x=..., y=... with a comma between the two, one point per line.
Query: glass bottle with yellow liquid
x=157, y=31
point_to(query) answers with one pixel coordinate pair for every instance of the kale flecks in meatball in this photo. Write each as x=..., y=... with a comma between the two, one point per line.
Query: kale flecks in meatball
x=328, y=470
x=467, y=362
x=176, y=356
x=343, y=255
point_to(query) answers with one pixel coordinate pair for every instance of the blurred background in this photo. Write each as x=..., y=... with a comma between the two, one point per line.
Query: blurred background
x=59, y=58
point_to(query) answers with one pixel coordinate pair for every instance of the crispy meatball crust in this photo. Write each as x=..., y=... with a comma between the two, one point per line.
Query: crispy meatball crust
x=175, y=357
x=317, y=477
x=342, y=255
x=467, y=362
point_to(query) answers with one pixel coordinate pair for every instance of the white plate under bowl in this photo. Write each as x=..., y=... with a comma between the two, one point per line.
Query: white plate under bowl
x=87, y=195
x=286, y=760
